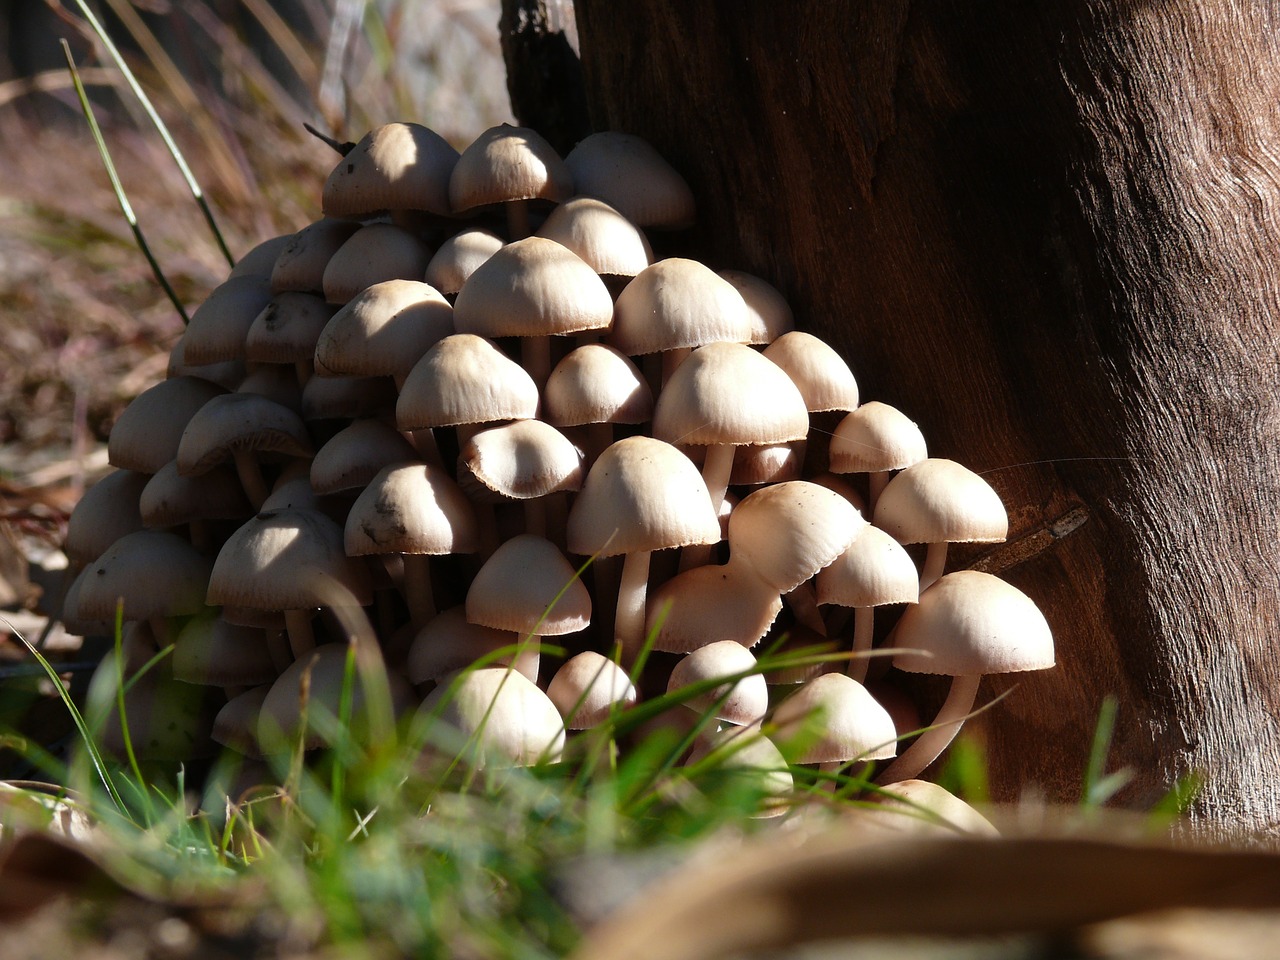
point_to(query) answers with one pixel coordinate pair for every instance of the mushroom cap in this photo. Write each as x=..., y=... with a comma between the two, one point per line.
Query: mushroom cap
x=287, y=560
x=744, y=701
x=459, y=257
x=968, y=623
x=940, y=500
x=330, y=398
x=226, y=374
x=874, y=438
x=146, y=434
x=587, y=687
x=746, y=751
x=767, y=463
x=610, y=243
x=523, y=459
x=214, y=652
x=383, y=330
x=926, y=807
x=641, y=494
x=824, y=379
x=106, y=512
x=237, y=422
x=596, y=383
x=156, y=574
x=236, y=725
x=449, y=642
x=374, y=253
x=465, y=379
x=770, y=314
x=529, y=587
x=353, y=456
x=708, y=604
x=789, y=531
x=532, y=288
x=873, y=571
x=170, y=499
x=626, y=172
x=729, y=393
x=261, y=258
x=414, y=508
x=852, y=724
x=219, y=326
x=678, y=303
x=508, y=163
x=287, y=329
x=504, y=717
x=396, y=166
x=302, y=263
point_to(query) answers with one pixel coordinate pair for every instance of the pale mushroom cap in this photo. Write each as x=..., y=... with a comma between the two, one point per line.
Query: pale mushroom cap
x=287, y=329
x=970, y=623
x=627, y=173
x=412, y=508
x=459, y=257
x=745, y=700
x=789, y=531
x=261, y=258
x=853, y=724
x=596, y=383
x=156, y=574
x=108, y=510
x=708, y=604
x=941, y=500
x=287, y=560
x=374, y=253
x=240, y=421
x=397, y=166
x=508, y=163
x=506, y=718
x=211, y=651
x=610, y=243
x=747, y=751
x=301, y=264
x=353, y=456
x=678, y=303
x=170, y=499
x=523, y=460
x=236, y=725
x=384, y=329
x=586, y=688
x=529, y=587
x=824, y=379
x=926, y=807
x=449, y=642
x=146, y=434
x=729, y=393
x=226, y=374
x=219, y=326
x=874, y=570
x=465, y=379
x=641, y=494
x=530, y=288
x=278, y=382
x=770, y=314
x=874, y=438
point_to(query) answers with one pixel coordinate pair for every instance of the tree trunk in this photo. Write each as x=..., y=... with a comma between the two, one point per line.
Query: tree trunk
x=1048, y=233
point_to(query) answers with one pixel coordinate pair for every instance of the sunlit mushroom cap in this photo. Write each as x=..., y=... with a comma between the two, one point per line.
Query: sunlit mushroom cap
x=353, y=456
x=596, y=383
x=874, y=438
x=924, y=807
x=528, y=586
x=459, y=257
x=941, y=500
x=108, y=510
x=824, y=379
x=397, y=166
x=771, y=315
x=851, y=724
x=745, y=751
x=626, y=172
x=610, y=243
x=743, y=701
x=414, y=508
x=383, y=330
x=508, y=163
x=374, y=253
x=146, y=434
x=874, y=570
x=587, y=687
x=155, y=574
x=675, y=304
x=501, y=717
x=287, y=328
x=465, y=379
x=219, y=326
x=711, y=603
x=641, y=494
x=969, y=622
x=240, y=421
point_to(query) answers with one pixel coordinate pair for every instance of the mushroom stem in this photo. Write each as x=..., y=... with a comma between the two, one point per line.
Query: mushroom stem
x=863, y=624
x=716, y=469
x=417, y=589
x=518, y=226
x=535, y=516
x=596, y=436
x=935, y=562
x=672, y=359
x=877, y=482
x=250, y=473
x=535, y=352
x=302, y=639
x=303, y=369
x=278, y=649
x=945, y=726
x=424, y=441
x=628, y=624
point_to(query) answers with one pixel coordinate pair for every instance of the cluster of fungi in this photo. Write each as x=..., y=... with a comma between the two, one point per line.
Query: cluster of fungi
x=469, y=409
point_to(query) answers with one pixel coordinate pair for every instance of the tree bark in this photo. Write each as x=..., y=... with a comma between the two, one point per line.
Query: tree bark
x=1048, y=233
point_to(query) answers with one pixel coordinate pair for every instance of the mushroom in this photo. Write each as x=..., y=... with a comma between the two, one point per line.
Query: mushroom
x=449, y=642
x=594, y=387
x=395, y=166
x=833, y=720
x=374, y=253
x=301, y=264
x=588, y=688
x=511, y=166
x=219, y=326
x=742, y=702
x=492, y=717
x=626, y=172
x=875, y=439
x=146, y=434
x=459, y=256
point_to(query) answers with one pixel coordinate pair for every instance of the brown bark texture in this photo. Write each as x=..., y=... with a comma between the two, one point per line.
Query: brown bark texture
x=1048, y=233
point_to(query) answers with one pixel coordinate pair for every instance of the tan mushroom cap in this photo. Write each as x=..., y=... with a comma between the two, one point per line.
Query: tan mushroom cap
x=641, y=494
x=171, y=499
x=523, y=459
x=532, y=288
x=236, y=725
x=219, y=326
x=396, y=166
x=240, y=422
x=771, y=315
x=302, y=263
x=449, y=642
x=853, y=725
x=711, y=603
x=588, y=688
x=874, y=438
x=214, y=652
x=968, y=623
x=108, y=510
x=729, y=393
x=459, y=257
x=353, y=456
x=744, y=701
x=610, y=243
x=503, y=718
x=465, y=379
x=941, y=500
x=287, y=329
x=226, y=374
x=261, y=258
x=824, y=379
x=873, y=571
x=596, y=383
x=924, y=807
x=411, y=508
x=156, y=574
x=383, y=330
x=676, y=304
x=508, y=163
x=287, y=560
x=626, y=172
x=529, y=587
x=374, y=253
x=146, y=435
x=745, y=751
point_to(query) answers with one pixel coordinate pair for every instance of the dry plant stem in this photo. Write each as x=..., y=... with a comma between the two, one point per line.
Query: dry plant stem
x=876, y=483
x=250, y=473
x=863, y=628
x=935, y=562
x=417, y=588
x=302, y=639
x=804, y=604
x=945, y=726
x=628, y=624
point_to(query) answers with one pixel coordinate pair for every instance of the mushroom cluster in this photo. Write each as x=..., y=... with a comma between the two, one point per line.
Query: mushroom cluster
x=472, y=378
